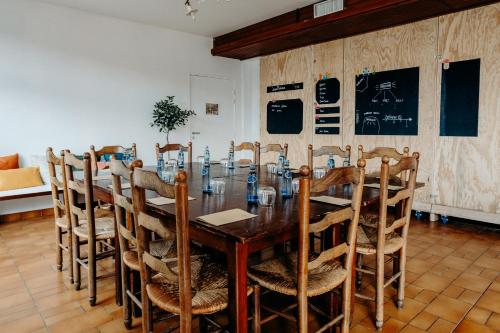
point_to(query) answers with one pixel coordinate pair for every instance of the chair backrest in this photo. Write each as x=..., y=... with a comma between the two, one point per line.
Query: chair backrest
x=60, y=207
x=82, y=187
x=244, y=146
x=380, y=152
x=148, y=223
x=337, y=176
x=124, y=209
x=96, y=155
x=272, y=147
x=327, y=150
x=175, y=147
x=403, y=198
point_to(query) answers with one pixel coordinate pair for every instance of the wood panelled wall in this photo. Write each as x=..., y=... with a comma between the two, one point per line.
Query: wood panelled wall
x=459, y=172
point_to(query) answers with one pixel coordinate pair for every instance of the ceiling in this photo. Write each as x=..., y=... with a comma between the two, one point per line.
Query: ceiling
x=215, y=17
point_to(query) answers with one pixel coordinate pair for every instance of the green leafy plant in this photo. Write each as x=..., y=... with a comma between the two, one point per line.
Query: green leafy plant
x=168, y=116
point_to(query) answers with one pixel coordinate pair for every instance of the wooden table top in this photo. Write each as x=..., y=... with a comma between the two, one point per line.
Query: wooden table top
x=270, y=221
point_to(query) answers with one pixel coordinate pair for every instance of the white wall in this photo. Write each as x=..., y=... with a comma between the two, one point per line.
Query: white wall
x=69, y=79
x=250, y=99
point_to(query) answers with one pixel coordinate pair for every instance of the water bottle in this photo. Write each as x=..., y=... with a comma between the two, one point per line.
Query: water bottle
x=180, y=159
x=286, y=181
x=230, y=159
x=281, y=159
x=252, y=185
x=160, y=164
x=347, y=161
x=205, y=172
x=331, y=162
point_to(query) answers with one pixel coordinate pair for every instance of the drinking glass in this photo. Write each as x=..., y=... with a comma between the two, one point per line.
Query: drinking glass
x=295, y=185
x=172, y=162
x=218, y=185
x=224, y=162
x=271, y=167
x=267, y=196
x=319, y=172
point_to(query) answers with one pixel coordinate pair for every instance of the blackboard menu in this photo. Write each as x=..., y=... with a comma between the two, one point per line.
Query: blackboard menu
x=285, y=87
x=326, y=110
x=327, y=120
x=327, y=91
x=285, y=116
x=327, y=130
x=460, y=98
x=387, y=102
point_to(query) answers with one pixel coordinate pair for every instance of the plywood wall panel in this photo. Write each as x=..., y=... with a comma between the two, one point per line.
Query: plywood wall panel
x=282, y=68
x=328, y=58
x=411, y=45
x=467, y=169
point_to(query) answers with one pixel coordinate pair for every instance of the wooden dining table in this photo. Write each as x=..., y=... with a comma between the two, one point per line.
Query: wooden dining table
x=272, y=226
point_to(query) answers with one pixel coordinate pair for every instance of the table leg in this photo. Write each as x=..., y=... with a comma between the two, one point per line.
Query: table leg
x=237, y=282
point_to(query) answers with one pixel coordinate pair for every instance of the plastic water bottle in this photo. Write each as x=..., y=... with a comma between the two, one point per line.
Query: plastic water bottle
x=286, y=181
x=331, y=162
x=281, y=160
x=230, y=159
x=347, y=161
x=252, y=185
x=160, y=165
x=205, y=172
x=180, y=159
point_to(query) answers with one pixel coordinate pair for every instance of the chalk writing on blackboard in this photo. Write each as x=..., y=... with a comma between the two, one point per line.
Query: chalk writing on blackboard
x=285, y=116
x=327, y=130
x=285, y=87
x=387, y=102
x=328, y=110
x=327, y=91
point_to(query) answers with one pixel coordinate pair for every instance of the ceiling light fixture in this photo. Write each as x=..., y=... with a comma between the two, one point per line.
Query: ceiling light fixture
x=190, y=11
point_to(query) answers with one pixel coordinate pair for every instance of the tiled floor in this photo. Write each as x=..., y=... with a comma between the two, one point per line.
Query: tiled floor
x=453, y=281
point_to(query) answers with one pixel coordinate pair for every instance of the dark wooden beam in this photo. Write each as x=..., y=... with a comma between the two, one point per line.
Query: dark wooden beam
x=298, y=28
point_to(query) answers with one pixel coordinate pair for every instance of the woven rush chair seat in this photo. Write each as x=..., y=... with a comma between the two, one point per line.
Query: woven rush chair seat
x=208, y=284
x=161, y=248
x=280, y=274
x=366, y=242
x=62, y=222
x=104, y=228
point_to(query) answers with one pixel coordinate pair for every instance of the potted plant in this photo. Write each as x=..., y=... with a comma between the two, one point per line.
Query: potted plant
x=168, y=116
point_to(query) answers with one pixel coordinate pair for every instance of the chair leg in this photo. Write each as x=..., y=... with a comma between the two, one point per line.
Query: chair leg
x=70, y=255
x=92, y=271
x=76, y=265
x=256, y=309
x=127, y=302
x=59, y=254
x=359, y=275
x=346, y=306
x=147, y=312
x=379, y=298
x=402, y=277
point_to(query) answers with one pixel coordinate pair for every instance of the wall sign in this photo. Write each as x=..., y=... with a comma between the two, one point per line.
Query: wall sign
x=327, y=110
x=327, y=120
x=285, y=116
x=327, y=91
x=285, y=87
x=327, y=130
x=387, y=102
x=460, y=98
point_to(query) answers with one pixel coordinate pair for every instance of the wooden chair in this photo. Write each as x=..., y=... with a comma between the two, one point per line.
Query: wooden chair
x=382, y=235
x=244, y=146
x=307, y=274
x=95, y=155
x=126, y=226
x=327, y=150
x=175, y=147
x=61, y=213
x=272, y=147
x=90, y=226
x=167, y=284
x=380, y=152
